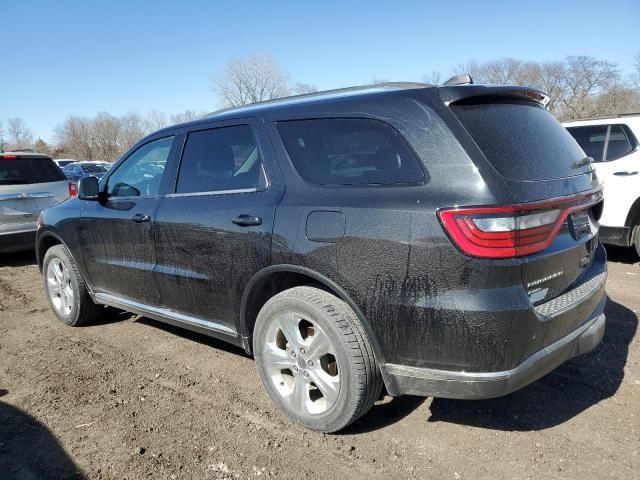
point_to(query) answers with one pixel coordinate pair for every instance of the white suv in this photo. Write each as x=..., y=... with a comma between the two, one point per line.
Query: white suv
x=29, y=183
x=613, y=144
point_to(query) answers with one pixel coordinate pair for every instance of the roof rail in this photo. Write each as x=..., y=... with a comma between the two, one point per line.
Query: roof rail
x=390, y=85
x=604, y=117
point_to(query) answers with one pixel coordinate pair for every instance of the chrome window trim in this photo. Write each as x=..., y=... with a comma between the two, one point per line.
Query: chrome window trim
x=213, y=192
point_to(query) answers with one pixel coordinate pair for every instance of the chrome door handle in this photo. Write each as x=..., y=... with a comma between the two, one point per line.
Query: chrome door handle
x=141, y=218
x=245, y=220
x=625, y=173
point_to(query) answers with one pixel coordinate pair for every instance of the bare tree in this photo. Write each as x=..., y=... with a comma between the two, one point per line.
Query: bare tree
x=74, y=135
x=1, y=138
x=585, y=78
x=19, y=135
x=105, y=136
x=635, y=76
x=255, y=78
x=41, y=146
x=432, y=78
x=302, y=88
x=133, y=128
x=186, y=116
x=156, y=120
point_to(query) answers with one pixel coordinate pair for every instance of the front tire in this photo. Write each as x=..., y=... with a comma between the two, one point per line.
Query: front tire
x=315, y=360
x=66, y=291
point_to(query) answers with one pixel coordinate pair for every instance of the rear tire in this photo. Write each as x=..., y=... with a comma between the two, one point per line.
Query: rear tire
x=636, y=239
x=66, y=291
x=315, y=360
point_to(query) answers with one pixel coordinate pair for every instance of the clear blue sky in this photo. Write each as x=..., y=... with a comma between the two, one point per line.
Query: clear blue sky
x=81, y=57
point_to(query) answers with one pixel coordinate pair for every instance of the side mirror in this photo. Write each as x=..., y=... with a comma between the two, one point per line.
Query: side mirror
x=88, y=188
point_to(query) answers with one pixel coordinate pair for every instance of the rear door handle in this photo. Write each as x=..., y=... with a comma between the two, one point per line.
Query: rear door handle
x=625, y=173
x=141, y=218
x=247, y=220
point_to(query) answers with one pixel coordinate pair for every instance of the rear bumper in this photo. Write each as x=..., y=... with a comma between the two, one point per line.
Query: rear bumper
x=18, y=241
x=408, y=380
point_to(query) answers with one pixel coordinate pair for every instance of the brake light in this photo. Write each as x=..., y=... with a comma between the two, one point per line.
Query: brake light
x=73, y=189
x=8, y=157
x=508, y=231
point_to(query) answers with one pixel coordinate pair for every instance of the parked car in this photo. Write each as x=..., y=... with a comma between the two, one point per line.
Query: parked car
x=612, y=143
x=104, y=164
x=29, y=182
x=407, y=236
x=62, y=162
x=76, y=171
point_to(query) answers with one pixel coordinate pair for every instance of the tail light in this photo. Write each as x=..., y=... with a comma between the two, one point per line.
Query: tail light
x=508, y=231
x=73, y=189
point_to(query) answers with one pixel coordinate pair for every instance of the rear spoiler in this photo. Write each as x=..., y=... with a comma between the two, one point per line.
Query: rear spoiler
x=461, y=94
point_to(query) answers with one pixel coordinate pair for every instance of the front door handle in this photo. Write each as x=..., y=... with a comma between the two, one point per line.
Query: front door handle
x=247, y=220
x=625, y=173
x=141, y=218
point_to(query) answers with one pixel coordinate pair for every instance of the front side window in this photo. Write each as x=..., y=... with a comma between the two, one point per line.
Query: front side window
x=349, y=151
x=592, y=139
x=141, y=173
x=221, y=159
x=619, y=143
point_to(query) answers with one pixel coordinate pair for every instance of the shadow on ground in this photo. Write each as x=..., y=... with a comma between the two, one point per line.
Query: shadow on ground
x=561, y=395
x=28, y=450
x=18, y=259
x=626, y=255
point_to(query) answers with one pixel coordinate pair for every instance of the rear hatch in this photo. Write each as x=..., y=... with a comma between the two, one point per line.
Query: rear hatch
x=28, y=185
x=556, y=196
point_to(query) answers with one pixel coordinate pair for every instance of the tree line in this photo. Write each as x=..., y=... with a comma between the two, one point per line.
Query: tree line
x=579, y=87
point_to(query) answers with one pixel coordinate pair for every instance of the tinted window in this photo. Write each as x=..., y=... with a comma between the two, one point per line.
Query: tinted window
x=591, y=139
x=29, y=170
x=619, y=143
x=141, y=173
x=522, y=141
x=349, y=152
x=221, y=159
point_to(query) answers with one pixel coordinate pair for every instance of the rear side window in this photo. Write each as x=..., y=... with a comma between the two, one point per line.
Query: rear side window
x=221, y=159
x=522, y=141
x=349, y=151
x=619, y=143
x=591, y=139
x=595, y=140
x=19, y=171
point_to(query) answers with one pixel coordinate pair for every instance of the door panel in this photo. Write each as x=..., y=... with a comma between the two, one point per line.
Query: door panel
x=118, y=250
x=117, y=232
x=215, y=232
x=204, y=260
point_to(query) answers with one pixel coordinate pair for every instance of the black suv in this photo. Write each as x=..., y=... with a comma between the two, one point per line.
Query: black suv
x=439, y=241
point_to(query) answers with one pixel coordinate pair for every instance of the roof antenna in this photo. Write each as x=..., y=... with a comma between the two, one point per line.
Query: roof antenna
x=463, y=79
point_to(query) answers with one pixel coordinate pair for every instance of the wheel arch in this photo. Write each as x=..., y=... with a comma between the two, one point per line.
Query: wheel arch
x=44, y=242
x=633, y=217
x=276, y=278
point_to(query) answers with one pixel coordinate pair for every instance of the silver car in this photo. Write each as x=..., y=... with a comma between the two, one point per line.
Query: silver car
x=29, y=183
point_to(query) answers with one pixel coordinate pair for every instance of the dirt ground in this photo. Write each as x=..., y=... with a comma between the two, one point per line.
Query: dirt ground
x=133, y=398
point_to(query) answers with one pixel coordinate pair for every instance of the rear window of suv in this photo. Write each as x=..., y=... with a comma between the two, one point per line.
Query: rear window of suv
x=349, y=151
x=17, y=171
x=522, y=141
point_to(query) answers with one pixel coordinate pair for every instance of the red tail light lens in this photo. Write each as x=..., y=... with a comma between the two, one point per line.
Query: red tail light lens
x=73, y=189
x=511, y=230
